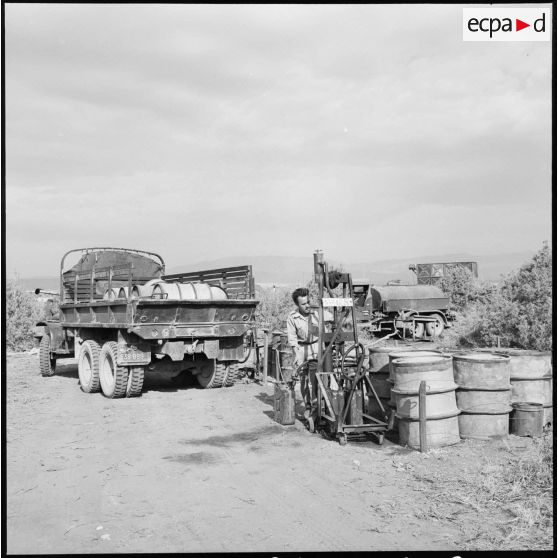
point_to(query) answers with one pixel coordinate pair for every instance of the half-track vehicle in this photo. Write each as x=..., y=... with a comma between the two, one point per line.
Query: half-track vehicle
x=121, y=317
x=412, y=311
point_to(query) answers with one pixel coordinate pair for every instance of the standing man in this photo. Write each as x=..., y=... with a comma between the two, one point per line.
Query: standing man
x=302, y=337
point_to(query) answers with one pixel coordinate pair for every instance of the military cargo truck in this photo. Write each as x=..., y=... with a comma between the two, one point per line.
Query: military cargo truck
x=121, y=316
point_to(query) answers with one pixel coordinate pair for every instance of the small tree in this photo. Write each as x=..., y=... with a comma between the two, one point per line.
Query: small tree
x=22, y=312
x=461, y=286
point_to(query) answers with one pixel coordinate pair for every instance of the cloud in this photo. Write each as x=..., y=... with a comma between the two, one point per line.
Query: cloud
x=206, y=130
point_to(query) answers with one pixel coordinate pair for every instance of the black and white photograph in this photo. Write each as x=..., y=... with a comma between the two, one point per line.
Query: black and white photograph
x=278, y=278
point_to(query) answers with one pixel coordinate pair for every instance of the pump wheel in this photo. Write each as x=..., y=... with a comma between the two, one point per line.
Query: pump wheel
x=435, y=329
x=135, y=381
x=114, y=378
x=213, y=374
x=232, y=373
x=311, y=426
x=88, y=366
x=47, y=362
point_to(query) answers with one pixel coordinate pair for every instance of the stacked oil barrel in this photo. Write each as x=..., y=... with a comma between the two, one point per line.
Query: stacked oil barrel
x=531, y=381
x=396, y=374
x=478, y=395
x=484, y=395
x=159, y=289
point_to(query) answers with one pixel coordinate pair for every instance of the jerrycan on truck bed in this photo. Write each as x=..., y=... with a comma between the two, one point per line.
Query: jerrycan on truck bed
x=284, y=404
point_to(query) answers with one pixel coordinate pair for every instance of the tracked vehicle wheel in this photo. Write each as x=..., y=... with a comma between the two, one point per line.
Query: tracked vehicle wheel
x=418, y=330
x=213, y=374
x=435, y=329
x=114, y=378
x=47, y=362
x=88, y=367
x=135, y=381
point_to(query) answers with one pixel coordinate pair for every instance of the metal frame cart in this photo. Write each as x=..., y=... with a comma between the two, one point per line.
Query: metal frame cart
x=343, y=385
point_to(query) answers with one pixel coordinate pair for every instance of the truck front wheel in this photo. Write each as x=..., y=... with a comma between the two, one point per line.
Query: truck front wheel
x=47, y=362
x=114, y=378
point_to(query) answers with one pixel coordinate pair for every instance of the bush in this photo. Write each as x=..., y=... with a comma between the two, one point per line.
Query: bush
x=520, y=314
x=22, y=312
x=274, y=307
x=515, y=313
x=461, y=286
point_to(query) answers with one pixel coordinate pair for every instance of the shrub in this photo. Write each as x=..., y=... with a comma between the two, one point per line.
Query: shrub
x=520, y=313
x=274, y=307
x=515, y=313
x=22, y=312
x=461, y=286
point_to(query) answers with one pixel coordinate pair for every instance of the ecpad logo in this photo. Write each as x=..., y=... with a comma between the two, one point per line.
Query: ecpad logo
x=506, y=24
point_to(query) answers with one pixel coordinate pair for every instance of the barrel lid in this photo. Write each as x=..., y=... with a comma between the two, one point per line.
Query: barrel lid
x=521, y=352
x=482, y=357
x=392, y=348
x=414, y=360
x=408, y=354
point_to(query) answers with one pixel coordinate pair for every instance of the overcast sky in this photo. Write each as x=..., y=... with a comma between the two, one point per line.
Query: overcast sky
x=204, y=131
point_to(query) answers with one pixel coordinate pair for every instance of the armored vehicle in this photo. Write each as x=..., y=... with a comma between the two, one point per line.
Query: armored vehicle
x=121, y=316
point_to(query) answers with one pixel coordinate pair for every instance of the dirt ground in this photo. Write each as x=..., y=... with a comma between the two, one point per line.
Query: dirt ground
x=183, y=469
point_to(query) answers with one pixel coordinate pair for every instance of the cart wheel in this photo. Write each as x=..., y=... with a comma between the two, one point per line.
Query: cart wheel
x=342, y=439
x=311, y=426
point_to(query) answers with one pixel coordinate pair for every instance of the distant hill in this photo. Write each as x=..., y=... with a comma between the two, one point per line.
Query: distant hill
x=291, y=271
x=288, y=270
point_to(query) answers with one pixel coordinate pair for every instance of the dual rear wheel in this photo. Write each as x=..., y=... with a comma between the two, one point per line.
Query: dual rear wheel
x=214, y=374
x=98, y=371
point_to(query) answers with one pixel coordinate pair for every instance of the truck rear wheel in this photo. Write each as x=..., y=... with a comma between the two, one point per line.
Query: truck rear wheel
x=232, y=373
x=435, y=329
x=114, y=378
x=88, y=366
x=213, y=374
x=47, y=362
x=135, y=381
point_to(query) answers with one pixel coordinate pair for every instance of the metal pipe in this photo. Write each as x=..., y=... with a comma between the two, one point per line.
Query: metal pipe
x=265, y=363
x=53, y=293
x=422, y=417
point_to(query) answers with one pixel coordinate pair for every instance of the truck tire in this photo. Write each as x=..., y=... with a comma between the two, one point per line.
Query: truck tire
x=213, y=374
x=435, y=329
x=88, y=367
x=47, y=362
x=135, y=381
x=232, y=373
x=114, y=378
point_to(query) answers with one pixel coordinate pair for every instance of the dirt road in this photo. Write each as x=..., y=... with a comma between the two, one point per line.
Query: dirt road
x=193, y=470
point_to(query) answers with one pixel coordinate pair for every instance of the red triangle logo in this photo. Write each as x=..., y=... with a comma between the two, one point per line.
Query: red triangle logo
x=519, y=25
